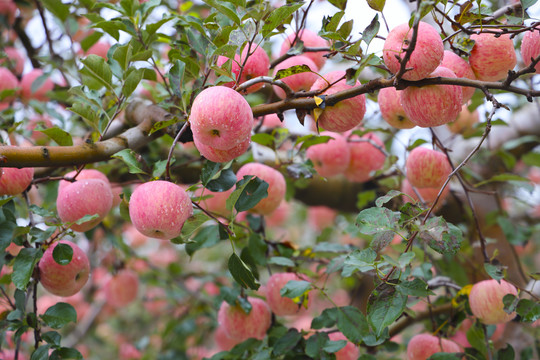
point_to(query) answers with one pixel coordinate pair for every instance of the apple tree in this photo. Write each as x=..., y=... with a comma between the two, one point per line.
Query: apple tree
x=251, y=179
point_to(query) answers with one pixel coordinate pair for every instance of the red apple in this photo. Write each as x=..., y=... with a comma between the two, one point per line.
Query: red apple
x=100, y=49
x=465, y=122
x=257, y=64
x=310, y=40
x=530, y=48
x=349, y=352
x=14, y=181
x=84, y=174
x=15, y=60
x=221, y=156
x=365, y=157
x=9, y=82
x=281, y=305
x=486, y=301
x=427, y=168
x=422, y=346
x=331, y=158
x=241, y=326
x=428, y=195
x=276, y=186
x=492, y=57
x=392, y=112
x=462, y=69
x=40, y=93
x=122, y=288
x=321, y=217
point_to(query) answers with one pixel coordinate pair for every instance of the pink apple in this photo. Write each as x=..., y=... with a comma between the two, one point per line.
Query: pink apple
x=221, y=118
x=221, y=156
x=257, y=64
x=427, y=168
x=223, y=341
x=14, y=59
x=426, y=56
x=83, y=30
x=486, y=301
x=8, y=8
x=428, y=195
x=392, y=112
x=331, y=158
x=422, y=346
x=84, y=197
x=64, y=280
x=321, y=217
x=465, y=122
x=159, y=209
x=280, y=215
x=83, y=175
x=128, y=352
x=344, y=115
x=100, y=49
x=365, y=157
x=122, y=288
x=241, y=326
x=14, y=181
x=43, y=121
x=433, y=105
x=281, y=305
x=276, y=186
x=310, y=40
x=40, y=93
x=297, y=82
x=462, y=69
x=349, y=351
x=492, y=57
x=9, y=82
x=215, y=202
x=530, y=48
x=271, y=121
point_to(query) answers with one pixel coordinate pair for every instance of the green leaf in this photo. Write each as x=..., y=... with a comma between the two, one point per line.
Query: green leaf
x=507, y=353
x=327, y=319
x=257, y=248
x=176, y=77
x=377, y=5
x=86, y=112
x=225, y=10
x=286, y=342
x=59, y=315
x=386, y=303
x=295, y=288
x=293, y=70
x=96, y=68
x=444, y=356
x=62, y=254
x=207, y=237
x=61, y=137
x=334, y=346
x=7, y=229
x=475, y=336
x=380, y=222
x=278, y=16
x=503, y=178
x=41, y=353
x=66, y=353
x=310, y=140
x=352, y=323
x=494, y=270
x=441, y=236
x=281, y=261
x=249, y=192
x=52, y=337
x=209, y=170
x=23, y=267
x=160, y=167
x=340, y=4
x=528, y=310
x=132, y=81
x=359, y=260
x=225, y=181
x=163, y=124
x=128, y=156
x=264, y=139
x=57, y=8
x=531, y=159
x=386, y=198
x=242, y=273
x=416, y=287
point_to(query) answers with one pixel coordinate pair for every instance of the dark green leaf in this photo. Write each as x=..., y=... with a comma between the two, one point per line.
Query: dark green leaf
x=286, y=342
x=258, y=248
x=225, y=181
x=59, y=315
x=528, y=310
x=163, y=124
x=129, y=157
x=207, y=237
x=66, y=353
x=62, y=254
x=310, y=140
x=359, y=260
x=315, y=345
x=52, y=337
x=282, y=261
x=41, y=353
x=132, y=81
x=241, y=273
x=23, y=267
x=96, y=68
x=327, y=319
x=444, y=356
x=209, y=170
x=252, y=191
x=277, y=17
x=352, y=323
x=380, y=222
x=416, y=287
x=6, y=233
x=507, y=353
x=527, y=3
x=386, y=303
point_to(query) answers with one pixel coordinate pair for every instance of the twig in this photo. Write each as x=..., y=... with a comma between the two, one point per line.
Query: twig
x=169, y=157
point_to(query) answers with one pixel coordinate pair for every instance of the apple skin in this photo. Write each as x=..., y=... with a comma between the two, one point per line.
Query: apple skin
x=14, y=181
x=462, y=69
x=530, y=48
x=321, y=217
x=257, y=64
x=310, y=40
x=389, y=100
x=84, y=174
x=222, y=156
x=331, y=158
x=26, y=86
x=281, y=305
x=223, y=341
x=241, y=326
x=427, y=168
x=491, y=57
x=297, y=82
x=221, y=118
x=159, y=209
x=426, y=56
x=9, y=81
x=433, y=105
x=16, y=60
x=84, y=197
x=276, y=186
x=422, y=346
x=428, y=194
x=344, y=115
x=349, y=351
x=271, y=121
x=122, y=288
x=217, y=202
x=64, y=280
x=365, y=158
x=465, y=122
x=100, y=49
x=486, y=301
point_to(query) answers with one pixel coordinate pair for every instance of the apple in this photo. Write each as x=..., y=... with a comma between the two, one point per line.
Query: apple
x=465, y=122
x=159, y=209
x=331, y=158
x=300, y=81
x=425, y=58
x=530, y=48
x=428, y=195
x=321, y=217
x=83, y=30
x=433, y=105
x=257, y=64
x=9, y=82
x=128, y=352
x=122, y=288
x=280, y=215
x=344, y=115
x=216, y=201
x=241, y=326
x=462, y=69
x=8, y=9
x=310, y=40
x=40, y=93
x=281, y=305
x=64, y=280
x=222, y=156
x=492, y=57
x=221, y=118
x=15, y=60
x=365, y=157
x=276, y=186
x=14, y=181
x=392, y=112
x=422, y=346
x=84, y=197
x=100, y=49
x=427, y=168
x=223, y=341
x=271, y=121
x=83, y=174
x=349, y=351
x=486, y=301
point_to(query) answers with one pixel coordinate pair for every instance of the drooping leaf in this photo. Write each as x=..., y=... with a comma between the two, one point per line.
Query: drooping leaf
x=129, y=157
x=23, y=267
x=242, y=273
x=59, y=315
x=386, y=303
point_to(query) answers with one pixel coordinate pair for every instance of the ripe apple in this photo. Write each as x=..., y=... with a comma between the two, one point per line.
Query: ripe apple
x=122, y=288
x=14, y=181
x=296, y=82
x=15, y=60
x=257, y=64
x=159, y=209
x=221, y=156
x=321, y=217
x=365, y=157
x=271, y=121
x=331, y=158
x=465, y=122
x=344, y=115
x=462, y=69
x=422, y=346
x=9, y=82
x=530, y=48
x=281, y=305
x=392, y=112
x=433, y=105
x=64, y=280
x=84, y=174
x=100, y=49
x=428, y=195
x=8, y=8
x=84, y=197
x=216, y=202
x=40, y=93
x=349, y=351
x=221, y=118
x=426, y=56
x=276, y=186
x=492, y=57
x=310, y=40
x=486, y=301
x=241, y=326
x=427, y=168
x=223, y=341
x=280, y=215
